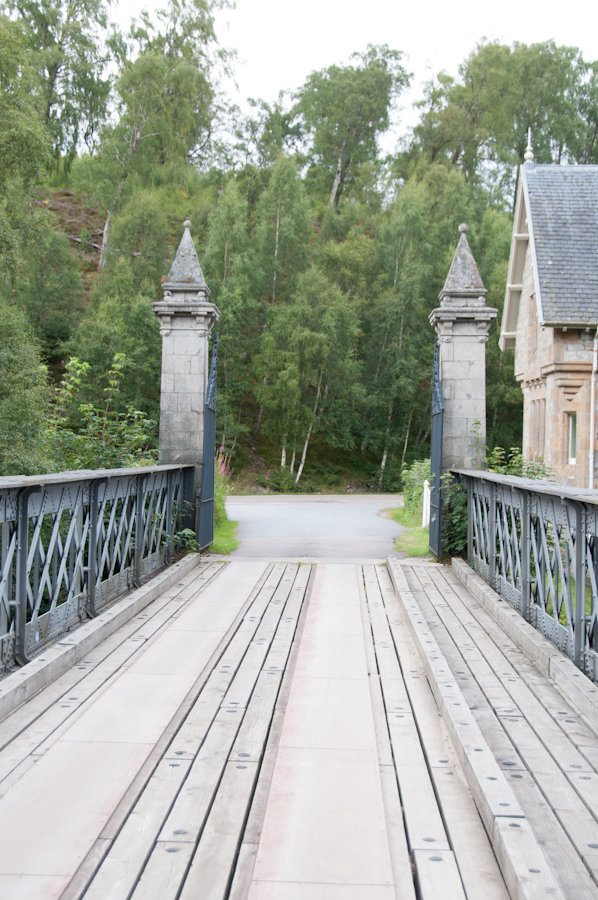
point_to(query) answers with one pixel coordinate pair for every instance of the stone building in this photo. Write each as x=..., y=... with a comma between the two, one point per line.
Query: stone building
x=551, y=314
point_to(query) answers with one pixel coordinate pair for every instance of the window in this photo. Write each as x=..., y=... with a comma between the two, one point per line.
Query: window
x=572, y=437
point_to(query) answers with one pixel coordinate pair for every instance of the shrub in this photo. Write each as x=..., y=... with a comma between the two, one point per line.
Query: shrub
x=413, y=478
x=221, y=487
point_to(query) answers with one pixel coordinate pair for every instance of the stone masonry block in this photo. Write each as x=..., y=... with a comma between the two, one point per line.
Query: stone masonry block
x=182, y=364
x=187, y=384
x=166, y=383
x=472, y=352
x=168, y=403
x=455, y=370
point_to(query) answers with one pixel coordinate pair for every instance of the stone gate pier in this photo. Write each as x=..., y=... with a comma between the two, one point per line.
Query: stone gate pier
x=462, y=322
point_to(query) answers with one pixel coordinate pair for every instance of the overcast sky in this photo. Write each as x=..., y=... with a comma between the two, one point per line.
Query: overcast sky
x=279, y=43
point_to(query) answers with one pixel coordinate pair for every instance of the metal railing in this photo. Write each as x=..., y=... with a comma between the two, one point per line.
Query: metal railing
x=73, y=542
x=536, y=544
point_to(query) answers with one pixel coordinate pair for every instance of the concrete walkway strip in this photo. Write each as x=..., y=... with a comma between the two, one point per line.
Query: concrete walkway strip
x=74, y=787
x=325, y=831
x=20, y=686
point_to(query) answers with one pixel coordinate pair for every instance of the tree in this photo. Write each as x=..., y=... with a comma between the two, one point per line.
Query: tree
x=165, y=102
x=227, y=268
x=64, y=38
x=479, y=122
x=314, y=381
x=24, y=399
x=23, y=153
x=281, y=232
x=120, y=319
x=48, y=288
x=346, y=108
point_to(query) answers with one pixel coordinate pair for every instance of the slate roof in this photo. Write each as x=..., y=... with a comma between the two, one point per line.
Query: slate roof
x=562, y=202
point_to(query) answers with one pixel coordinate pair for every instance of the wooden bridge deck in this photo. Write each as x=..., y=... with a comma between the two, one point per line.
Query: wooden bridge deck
x=276, y=731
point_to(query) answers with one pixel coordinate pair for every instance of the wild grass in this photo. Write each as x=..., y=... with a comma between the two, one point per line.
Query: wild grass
x=414, y=541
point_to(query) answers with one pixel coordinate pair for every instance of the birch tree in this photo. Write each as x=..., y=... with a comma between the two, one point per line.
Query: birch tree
x=345, y=108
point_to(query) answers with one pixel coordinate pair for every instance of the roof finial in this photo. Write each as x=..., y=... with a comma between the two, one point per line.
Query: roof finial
x=529, y=153
x=463, y=228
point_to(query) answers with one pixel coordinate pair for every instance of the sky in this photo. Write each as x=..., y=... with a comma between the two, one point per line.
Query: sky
x=279, y=43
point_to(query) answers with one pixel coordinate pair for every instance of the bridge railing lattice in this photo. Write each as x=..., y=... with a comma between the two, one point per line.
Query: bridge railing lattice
x=536, y=544
x=73, y=542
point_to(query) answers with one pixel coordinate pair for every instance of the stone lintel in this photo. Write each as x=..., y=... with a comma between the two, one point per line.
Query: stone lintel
x=200, y=314
x=462, y=323
x=564, y=367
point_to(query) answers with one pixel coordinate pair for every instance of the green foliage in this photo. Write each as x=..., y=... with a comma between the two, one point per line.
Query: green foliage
x=346, y=108
x=324, y=258
x=139, y=235
x=97, y=437
x=225, y=538
x=512, y=462
x=185, y=540
x=221, y=488
x=67, y=64
x=48, y=288
x=454, y=516
x=413, y=478
x=24, y=398
x=121, y=320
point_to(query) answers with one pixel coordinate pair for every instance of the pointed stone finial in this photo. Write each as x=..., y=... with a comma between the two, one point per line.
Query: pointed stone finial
x=185, y=276
x=463, y=285
x=529, y=153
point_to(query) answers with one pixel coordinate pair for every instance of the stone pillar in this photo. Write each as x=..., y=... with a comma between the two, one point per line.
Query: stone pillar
x=186, y=319
x=462, y=322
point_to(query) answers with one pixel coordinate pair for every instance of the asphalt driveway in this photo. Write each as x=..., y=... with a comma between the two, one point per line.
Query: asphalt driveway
x=322, y=526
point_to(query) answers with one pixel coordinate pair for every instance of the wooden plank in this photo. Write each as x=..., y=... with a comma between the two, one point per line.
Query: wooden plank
x=145, y=777
x=475, y=857
x=244, y=680
x=192, y=805
x=483, y=714
x=243, y=874
x=422, y=817
x=486, y=782
x=397, y=838
x=251, y=738
x=325, y=822
x=200, y=717
x=165, y=870
x=525, y=868
x=255, y=819
x=525, y=740
x=211, y=869
x=284, y=890
x=395, y=823
x=437, y=746
x=119, y=872
x=224, y=737
x=438, y=875
x=570, y=872
x=521, y=697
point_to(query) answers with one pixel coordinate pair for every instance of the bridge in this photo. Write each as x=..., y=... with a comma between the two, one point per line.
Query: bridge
x=272, y=728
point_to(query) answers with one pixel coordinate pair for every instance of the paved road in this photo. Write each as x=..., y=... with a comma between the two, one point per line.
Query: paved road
x=323, y=526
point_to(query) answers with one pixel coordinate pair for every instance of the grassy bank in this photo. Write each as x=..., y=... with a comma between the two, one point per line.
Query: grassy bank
x=414, y=541
x=225, y=537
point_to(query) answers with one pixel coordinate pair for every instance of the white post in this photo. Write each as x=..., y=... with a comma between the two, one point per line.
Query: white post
x=426, y=505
